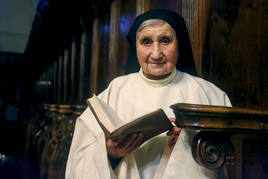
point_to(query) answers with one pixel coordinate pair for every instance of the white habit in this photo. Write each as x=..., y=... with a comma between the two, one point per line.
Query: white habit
x=132, y=96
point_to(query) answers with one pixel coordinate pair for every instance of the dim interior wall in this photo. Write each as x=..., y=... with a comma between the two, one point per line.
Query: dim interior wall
x=16, y=18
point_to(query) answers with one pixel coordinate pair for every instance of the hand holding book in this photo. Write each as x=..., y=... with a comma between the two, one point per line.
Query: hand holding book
x=173, y=133
x=117, y=150
x=149, y=125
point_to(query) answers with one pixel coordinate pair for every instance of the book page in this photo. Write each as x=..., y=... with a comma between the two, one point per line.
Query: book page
x=111, y=114
x=97, y=108
x=104, y=114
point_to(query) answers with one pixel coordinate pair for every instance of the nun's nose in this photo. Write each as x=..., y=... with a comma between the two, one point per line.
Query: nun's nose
x=156, y=53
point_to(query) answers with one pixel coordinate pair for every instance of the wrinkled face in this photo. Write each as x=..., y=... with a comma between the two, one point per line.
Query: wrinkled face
x=157, y=50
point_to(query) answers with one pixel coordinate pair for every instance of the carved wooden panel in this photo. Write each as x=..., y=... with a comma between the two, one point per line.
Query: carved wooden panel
x=255, y=155
x=235, y=57
x=233, y=138
x=196, y=15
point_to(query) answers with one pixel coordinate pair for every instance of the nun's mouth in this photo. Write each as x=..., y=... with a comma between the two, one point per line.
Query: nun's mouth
x=157, y=63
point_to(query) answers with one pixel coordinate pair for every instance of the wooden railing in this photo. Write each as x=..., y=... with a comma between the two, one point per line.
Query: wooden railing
x=233, y=138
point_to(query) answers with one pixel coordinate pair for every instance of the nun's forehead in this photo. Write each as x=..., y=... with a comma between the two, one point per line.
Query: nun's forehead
x=170, y=17
x=155, y=22
x=151, y=22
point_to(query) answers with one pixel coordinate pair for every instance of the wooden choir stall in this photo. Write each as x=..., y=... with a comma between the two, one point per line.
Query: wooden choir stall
x=229, y=137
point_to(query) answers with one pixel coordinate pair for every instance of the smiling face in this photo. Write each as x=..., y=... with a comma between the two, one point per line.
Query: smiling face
x=157, y=50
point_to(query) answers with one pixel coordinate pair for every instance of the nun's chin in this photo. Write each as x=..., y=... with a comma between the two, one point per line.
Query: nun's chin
x=157, y=74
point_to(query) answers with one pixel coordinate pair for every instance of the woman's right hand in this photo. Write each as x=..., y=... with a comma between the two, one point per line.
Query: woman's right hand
x=117, y=150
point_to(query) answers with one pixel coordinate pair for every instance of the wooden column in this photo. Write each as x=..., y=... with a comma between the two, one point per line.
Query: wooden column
x=114, y=39
x=55, y=80
x=50, y=84
x=66, y=75
x=95, y=56
x=41, y=87
x=142, y=6
x=59, y=93
x=73, y=72
x=127, y=17
x=103, y=57
x=82, y=66
x=196, y=16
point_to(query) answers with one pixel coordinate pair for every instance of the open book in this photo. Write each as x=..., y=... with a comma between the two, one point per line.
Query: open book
x=149, y=125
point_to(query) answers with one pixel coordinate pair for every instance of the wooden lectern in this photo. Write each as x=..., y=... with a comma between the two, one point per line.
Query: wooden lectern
x=229, y=137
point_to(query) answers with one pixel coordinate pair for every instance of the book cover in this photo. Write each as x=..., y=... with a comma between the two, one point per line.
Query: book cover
x=150, y=125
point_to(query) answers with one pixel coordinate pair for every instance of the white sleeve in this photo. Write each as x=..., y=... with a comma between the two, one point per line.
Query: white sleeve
x=88, y=155
x=227, y=101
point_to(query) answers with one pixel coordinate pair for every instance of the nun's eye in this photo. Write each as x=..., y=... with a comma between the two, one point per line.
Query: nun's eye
x=165, y=40
x=146, y=41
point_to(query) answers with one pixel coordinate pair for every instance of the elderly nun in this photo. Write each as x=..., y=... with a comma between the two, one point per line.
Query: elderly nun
x=160, y=42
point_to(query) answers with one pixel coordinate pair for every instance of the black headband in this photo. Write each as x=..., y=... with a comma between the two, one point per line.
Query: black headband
x=186, y=59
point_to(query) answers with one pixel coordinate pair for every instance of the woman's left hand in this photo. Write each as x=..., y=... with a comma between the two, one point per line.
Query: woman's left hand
x=175, y=131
